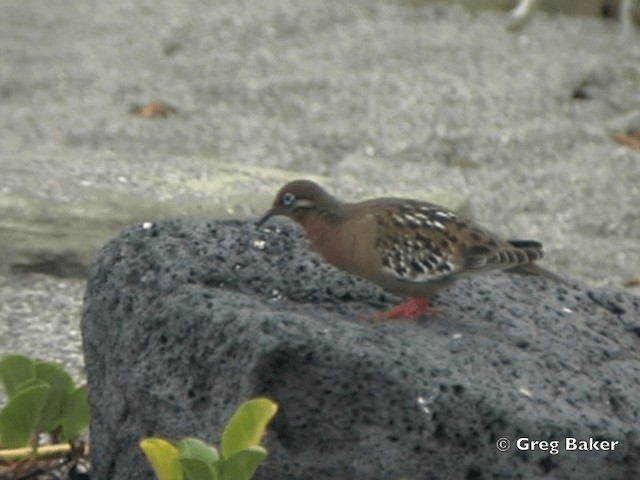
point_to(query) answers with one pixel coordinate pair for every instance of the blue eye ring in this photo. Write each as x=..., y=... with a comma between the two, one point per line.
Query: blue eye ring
x=288, y=199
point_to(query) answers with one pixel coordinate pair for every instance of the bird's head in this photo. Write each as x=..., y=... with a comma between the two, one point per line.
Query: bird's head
x=302, y=201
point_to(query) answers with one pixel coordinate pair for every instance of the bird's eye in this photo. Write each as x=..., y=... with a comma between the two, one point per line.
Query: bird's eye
x=288, y=199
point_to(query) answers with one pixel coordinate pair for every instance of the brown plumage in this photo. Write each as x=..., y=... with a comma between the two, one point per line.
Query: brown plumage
x=407, y=247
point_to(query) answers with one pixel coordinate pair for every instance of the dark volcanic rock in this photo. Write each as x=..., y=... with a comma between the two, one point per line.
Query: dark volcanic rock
x=184, y=321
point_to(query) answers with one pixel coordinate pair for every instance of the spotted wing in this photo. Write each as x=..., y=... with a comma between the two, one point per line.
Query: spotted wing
x=422, y=242
x=415, y=244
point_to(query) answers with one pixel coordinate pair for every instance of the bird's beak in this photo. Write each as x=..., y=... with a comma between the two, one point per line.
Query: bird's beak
x=270, y=213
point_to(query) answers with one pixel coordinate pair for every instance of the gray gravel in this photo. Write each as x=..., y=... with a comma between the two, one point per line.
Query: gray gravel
x=58, y=302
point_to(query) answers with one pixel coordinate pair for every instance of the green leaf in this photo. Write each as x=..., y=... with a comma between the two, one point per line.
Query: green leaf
x=21, y=415
x=15, y=370
x=196, y=448
x=32, y=382
x=75, y=416
x=196, y=469
x=246, y=426
x=54, y=375
x=198, y=459
x=243, y=464
x=61, y=387
x=163, y=458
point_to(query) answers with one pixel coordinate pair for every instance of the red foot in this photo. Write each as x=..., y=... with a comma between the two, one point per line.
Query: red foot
x=412, y=308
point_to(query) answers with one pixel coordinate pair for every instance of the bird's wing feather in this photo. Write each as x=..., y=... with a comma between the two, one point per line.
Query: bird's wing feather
x=429, y=243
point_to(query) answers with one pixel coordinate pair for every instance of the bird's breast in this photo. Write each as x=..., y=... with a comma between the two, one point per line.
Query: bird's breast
x=325, y=239
x=348, y=245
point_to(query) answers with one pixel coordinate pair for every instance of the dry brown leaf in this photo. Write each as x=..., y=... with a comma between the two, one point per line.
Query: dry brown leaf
x=630, y=139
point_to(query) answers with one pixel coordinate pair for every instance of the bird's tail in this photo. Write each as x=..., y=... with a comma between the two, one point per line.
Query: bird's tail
x=533, y=250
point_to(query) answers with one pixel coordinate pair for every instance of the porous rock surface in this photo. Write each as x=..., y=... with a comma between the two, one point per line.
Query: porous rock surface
x=183, y=321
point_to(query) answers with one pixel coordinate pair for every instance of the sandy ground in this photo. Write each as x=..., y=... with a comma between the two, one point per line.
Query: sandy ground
x=388, y=97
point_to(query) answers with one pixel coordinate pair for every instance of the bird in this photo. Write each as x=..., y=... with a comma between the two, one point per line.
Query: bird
x=409, y=248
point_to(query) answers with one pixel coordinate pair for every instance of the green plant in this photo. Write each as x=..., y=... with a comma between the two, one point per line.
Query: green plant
x=240, y=453
x=41, y=398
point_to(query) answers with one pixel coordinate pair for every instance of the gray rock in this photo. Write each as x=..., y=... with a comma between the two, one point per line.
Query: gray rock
x=183, y=321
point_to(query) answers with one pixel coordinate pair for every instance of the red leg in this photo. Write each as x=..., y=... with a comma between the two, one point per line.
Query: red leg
x=412, y=308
